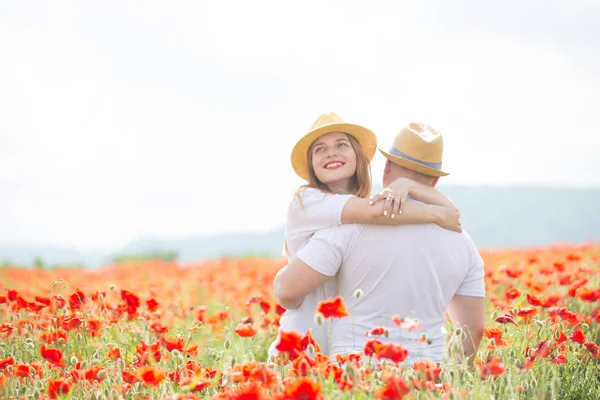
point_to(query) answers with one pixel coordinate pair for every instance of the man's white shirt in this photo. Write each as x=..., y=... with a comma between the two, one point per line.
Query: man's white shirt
x=410, y=271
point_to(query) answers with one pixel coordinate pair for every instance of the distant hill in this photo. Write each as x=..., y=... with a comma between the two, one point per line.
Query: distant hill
x=494, y=217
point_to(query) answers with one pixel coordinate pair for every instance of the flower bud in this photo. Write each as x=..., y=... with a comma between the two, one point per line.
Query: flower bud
x=121, y=364
x=319, y=318
x=227, y=344
x=540, y=323
x=357, y=293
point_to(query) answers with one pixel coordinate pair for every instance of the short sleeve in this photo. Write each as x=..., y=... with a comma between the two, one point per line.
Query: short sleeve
x=313, y=210
x=327, y=248
x=473, y=284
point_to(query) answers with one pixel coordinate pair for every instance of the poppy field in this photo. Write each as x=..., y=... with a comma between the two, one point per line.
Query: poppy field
x=162, y=330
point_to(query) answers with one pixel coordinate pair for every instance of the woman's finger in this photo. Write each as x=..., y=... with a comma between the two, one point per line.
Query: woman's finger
x=387, y=207
x=375, y=199
x=396, y=208
x=402, y=203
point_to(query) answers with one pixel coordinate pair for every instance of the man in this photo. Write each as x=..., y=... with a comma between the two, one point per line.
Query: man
x=412, y=271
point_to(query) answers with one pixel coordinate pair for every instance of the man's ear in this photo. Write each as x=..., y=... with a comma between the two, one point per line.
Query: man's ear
x=435, y=181
x=388, y=167
x=386, y=171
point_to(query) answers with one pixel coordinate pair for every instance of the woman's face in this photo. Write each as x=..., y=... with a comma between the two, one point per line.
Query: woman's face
x=334, y=160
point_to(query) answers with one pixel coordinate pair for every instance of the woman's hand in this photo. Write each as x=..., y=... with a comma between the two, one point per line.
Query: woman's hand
x=395, y=195
x=449, y=218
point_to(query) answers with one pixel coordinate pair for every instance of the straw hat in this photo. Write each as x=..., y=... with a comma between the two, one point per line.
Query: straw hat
x=327, y=123
x=418, y=147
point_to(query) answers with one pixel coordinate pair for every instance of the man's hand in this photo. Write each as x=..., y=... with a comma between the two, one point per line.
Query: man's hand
x=294, y=281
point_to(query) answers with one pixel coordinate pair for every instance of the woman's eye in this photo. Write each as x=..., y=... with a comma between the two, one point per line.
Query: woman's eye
x=342, y=144
x=318, y=149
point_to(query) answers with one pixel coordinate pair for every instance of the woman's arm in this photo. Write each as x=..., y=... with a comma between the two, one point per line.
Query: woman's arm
x=358, y=210
x=397, y=192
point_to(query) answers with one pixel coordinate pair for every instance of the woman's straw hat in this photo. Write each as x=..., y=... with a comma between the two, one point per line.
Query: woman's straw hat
x=418, y=147
x=327, y=123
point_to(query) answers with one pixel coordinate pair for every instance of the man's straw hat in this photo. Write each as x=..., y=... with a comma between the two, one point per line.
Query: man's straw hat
x=327, y=123
x=418, y=147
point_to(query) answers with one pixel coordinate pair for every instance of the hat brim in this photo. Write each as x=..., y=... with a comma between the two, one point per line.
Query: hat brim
x=365, y=137
x=412, y=165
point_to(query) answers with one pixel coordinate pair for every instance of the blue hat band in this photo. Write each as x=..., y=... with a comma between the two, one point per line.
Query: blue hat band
x=396, y=152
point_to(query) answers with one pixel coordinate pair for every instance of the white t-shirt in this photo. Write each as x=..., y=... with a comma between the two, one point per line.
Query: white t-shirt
x=315, y=210
x=412, y=271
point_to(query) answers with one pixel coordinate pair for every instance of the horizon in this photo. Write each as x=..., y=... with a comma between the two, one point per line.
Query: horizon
x=193, y=236
x=180, y=120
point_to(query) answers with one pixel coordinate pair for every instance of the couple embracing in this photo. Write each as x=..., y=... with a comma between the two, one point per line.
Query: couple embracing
x=404, y=250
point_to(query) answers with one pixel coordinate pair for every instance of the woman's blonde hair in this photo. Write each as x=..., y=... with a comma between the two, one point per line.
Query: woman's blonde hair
x=361, y=180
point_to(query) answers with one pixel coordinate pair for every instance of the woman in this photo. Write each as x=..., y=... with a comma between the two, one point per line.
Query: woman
x=334, y=159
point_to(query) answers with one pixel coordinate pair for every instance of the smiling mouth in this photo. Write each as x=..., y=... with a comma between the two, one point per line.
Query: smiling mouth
x=334, y=165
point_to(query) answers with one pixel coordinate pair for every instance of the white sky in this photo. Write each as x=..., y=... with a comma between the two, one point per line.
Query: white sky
x=123, y=119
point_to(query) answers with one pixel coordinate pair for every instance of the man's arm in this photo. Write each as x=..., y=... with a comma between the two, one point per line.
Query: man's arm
x=468, y=313
x=294, y=281
x=318, y=261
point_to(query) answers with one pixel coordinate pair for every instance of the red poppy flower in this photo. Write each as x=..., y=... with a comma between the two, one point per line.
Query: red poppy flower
x=496, y=334
x=593, y=348
x=6, y=361
x=152, y=305
x=407, y=323
x=395, y=388
x=69, y=322
x=92, y=373
x=494, y=366
x=12, y=295
x=195, y=383
x=174, y=344
x=506, y=319
x=512, y=293
x=129, y=377
x=22, y=370
x=526, y=311
x=43, y=300
x=534, y=301
x=131, y=299
x=58, y=388
x=76, y=300
x=559, y=359
x=151, y=375
x=379, y=331
x=432, y=371
x=246, y=330
x=114, y=353
x=578, y=336
x=303, y=388
x=333, y=308
x=53, y=356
